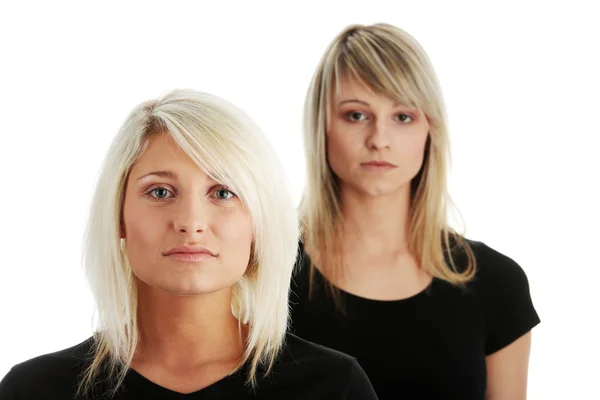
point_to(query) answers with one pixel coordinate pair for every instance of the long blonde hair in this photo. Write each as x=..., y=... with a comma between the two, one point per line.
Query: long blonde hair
x=392, y=63
x=232, y=150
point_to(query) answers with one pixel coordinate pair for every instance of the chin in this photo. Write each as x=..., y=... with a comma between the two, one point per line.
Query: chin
x=192, y=293
x=189, y=286
x=187, y=289
x=380, y=190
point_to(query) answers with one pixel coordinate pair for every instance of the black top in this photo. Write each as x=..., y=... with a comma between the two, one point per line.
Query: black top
x=429, y=346
x=303, y=371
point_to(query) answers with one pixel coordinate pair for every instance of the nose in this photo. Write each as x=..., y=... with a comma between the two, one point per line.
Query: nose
x=378, y=135
x=191, y=216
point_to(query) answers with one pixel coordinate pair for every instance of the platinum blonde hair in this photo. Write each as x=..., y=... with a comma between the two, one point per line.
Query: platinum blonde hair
x=392, y=63
x=227, y=145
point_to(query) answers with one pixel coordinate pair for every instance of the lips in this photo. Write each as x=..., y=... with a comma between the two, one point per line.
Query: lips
x=190, y=257
x=383, y=164
x=189, y=252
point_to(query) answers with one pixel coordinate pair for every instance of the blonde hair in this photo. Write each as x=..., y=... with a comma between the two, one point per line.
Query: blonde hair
x=232, y=150
x=392, y=63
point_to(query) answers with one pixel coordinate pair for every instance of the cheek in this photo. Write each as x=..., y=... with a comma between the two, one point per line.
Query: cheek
x=411, y=147
x=237, y=228
x=144, y=234
x=341, y=150
x=235, y=233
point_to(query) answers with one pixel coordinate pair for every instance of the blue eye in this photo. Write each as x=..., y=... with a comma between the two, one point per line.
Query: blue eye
x=160, y=193
x=223, y=194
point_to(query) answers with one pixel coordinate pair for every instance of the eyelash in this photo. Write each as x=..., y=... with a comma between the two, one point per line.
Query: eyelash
x=349, y=114
x=149, y=193
x=222, y=188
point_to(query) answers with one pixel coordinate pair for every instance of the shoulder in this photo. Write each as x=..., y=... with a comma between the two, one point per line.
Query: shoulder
x=320, y=372
x=58, y=370
x=56, y=363
x=502, y=286
x=304, y=352
x=496, y=271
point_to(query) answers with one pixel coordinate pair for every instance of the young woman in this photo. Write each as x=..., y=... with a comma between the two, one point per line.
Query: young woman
x=191, y=242
x=428, y=313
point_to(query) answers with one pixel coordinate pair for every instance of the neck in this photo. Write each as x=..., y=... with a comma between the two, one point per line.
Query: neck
x=187, y=331
x=375, y=224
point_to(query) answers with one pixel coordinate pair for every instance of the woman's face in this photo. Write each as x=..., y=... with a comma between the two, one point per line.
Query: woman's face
x=374, y=146
x=186, y=234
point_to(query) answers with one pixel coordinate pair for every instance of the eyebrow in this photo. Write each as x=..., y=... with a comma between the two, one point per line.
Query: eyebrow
x=367, y=104
x=353, y=101
x=161, y=174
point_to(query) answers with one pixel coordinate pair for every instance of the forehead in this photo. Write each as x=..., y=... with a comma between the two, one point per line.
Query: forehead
x=348, y=87
x=162, y=153
x=160, y=147
x=351, y=89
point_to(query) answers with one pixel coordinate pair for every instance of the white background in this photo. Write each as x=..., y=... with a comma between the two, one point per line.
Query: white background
x=521, y=83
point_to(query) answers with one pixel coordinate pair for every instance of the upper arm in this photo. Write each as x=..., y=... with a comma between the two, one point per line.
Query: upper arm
x=504, y=290
x=359, y=385
x=509, y=319
x=507, y=371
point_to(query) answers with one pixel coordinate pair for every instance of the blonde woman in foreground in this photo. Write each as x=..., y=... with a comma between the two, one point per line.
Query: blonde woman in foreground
x=428, y=313
x=190, y=248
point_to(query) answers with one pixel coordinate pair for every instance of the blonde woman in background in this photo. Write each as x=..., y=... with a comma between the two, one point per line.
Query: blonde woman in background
x=428, y=313
x=191, y=243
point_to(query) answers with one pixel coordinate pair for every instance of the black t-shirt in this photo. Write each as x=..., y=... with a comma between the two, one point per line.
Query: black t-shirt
x=303, y=370
x=431, y=345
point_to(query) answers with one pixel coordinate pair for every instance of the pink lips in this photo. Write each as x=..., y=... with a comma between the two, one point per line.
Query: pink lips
x=189, y=253
x=378, y=165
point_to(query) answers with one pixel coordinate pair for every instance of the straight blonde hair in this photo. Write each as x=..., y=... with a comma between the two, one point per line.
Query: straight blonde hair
x=227, y=145
x=392, y=63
